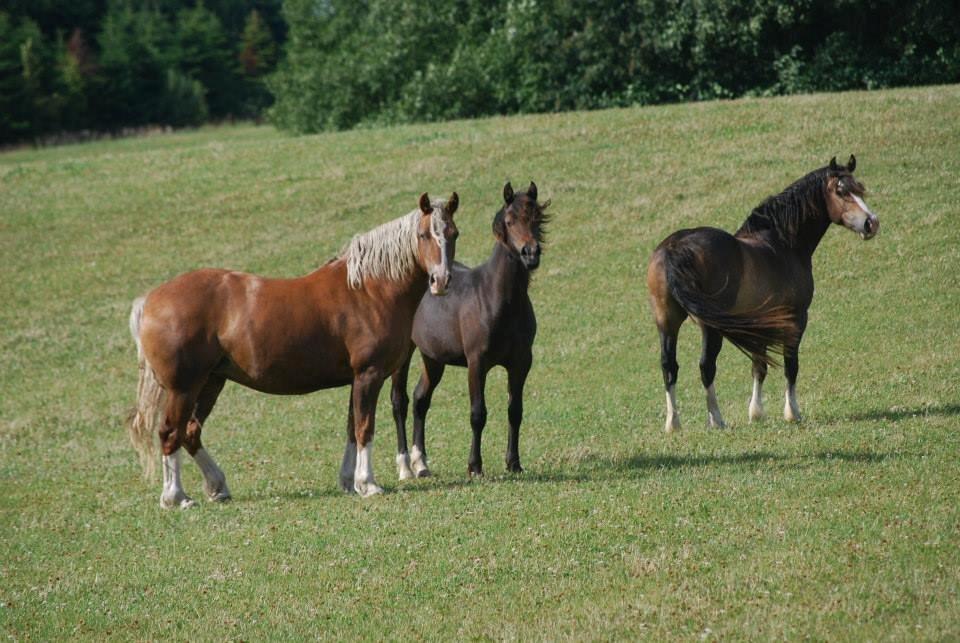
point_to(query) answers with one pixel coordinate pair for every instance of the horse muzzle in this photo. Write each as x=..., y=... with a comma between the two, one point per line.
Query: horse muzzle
x=530, y=256
x=870, y=227
x=439, y=282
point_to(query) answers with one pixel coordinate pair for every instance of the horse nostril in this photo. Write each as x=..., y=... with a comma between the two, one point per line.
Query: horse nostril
x=867, y=225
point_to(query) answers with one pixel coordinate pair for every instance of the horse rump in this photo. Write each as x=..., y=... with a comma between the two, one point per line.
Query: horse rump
x=758, y=332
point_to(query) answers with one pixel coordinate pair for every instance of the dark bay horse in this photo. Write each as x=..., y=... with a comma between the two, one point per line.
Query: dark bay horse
x=753, y=287
x=485, y=320
x=346, y=323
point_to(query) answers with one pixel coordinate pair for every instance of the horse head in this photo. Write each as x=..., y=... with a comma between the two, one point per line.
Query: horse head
x=520, y=224
x=844, y=195
x=437, y=240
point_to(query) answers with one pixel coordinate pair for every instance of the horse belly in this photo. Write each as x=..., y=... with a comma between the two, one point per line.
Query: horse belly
x=285, y=360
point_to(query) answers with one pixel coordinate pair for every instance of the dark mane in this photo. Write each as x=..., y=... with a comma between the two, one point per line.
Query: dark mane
x=785, y=214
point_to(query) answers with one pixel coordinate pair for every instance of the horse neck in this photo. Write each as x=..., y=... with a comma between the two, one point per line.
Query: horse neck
x=803, y=241
x=405, y=294
x=810, y=234
x=509, y=279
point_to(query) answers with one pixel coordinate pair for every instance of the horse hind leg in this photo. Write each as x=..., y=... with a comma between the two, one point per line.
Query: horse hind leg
x=712, y=343
x=401, y=403
x=366, y=389
x=172, y=435
x=670, y=368
x=755, y=410
x=791, y=366
x=214, y=481
x=349, y=464
x=669, y=315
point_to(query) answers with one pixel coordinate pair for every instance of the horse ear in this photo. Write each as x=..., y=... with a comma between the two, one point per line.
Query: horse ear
x=452, y=204
x=508, y=193
x=833, y=164
x=532, y=191
x=425, y=206
x=852, y=164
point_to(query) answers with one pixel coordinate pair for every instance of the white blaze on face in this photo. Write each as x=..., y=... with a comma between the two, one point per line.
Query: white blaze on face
x=436, y=229
x=863, y=206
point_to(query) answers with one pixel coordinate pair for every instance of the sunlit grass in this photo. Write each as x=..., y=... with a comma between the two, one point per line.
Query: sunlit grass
x=845, y=527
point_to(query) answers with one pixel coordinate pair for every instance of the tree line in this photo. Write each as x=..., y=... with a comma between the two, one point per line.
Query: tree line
x=105, y=65
x=314, y=65
x=352, y=63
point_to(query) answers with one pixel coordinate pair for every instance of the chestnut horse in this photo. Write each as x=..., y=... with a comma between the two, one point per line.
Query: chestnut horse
x=485, y=320
x=753, y=287
x=346, y=323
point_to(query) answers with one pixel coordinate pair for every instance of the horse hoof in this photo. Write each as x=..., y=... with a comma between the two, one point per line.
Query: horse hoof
x=424, y=473
x=756, y=413
x=475, y=473
x=403, y=467
x=346, y=485
x=514, y=467
x=367, y=489
x=715, y=423
x=217, y=493
x=791, y=414
x=672, y=425
x=181, y=500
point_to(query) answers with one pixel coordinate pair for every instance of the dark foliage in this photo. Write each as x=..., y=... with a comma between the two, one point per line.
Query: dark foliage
x=113, y=64
x=382, y=61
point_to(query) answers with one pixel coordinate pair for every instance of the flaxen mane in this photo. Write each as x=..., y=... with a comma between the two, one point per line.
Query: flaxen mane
x=388, y=251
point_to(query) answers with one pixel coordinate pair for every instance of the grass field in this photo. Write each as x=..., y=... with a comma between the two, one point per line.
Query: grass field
x=844, y=527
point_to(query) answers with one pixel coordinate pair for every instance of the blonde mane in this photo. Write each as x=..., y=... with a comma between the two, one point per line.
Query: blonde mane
x=388, y=251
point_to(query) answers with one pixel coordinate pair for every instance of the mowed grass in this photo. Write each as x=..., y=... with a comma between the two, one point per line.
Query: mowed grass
x=844, y=527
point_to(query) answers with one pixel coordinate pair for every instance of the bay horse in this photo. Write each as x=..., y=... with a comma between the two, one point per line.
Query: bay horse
x=346, y=323
x=753, y=287
x=486, y=319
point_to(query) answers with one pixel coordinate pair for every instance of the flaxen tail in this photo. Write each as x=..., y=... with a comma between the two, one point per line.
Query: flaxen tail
x=759, y=333
x=143, y=424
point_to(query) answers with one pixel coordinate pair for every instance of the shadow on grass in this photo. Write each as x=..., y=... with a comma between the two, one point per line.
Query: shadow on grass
x=896, y=414
x=594, y=468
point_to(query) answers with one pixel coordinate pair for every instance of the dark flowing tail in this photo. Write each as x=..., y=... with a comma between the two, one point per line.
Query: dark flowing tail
x=758, y=333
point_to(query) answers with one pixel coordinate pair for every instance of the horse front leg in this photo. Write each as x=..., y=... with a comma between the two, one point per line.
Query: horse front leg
x=422, y=395
x=516, y=378
x=366, y=390
x=401, y=402
x=477, y=380
x=791, y=366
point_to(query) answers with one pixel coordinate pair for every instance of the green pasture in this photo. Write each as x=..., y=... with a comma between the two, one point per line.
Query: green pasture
x=845, y=527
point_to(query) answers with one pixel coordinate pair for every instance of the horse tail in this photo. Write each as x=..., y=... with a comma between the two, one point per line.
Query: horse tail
x=758, y=332
x=143, y=423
